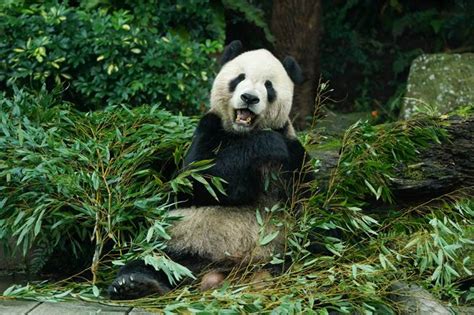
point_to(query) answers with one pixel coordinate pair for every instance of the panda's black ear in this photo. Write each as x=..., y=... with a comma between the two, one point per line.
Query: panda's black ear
x=293, y=69
x=231, y=51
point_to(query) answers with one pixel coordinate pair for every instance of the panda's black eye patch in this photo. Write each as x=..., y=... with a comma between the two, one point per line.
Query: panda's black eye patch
x=233, y=84
x=271, y=93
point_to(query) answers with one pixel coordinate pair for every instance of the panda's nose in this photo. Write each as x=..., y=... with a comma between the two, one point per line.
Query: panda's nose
x=249, y=99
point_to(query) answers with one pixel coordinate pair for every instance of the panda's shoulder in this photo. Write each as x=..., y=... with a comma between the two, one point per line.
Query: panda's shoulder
x=287, y=131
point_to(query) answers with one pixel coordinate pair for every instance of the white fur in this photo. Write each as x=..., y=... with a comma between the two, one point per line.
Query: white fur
x=258, y=67
x=223, y=234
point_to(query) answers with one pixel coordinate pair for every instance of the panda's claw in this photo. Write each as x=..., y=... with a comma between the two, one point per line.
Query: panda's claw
x=134, y=286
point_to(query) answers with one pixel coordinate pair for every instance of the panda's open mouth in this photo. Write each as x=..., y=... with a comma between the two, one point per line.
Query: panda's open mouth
x=244, y=116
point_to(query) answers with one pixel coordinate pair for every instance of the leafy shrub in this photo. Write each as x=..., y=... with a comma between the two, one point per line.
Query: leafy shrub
x=103, y=58
x=67, y=177
x=192, y=19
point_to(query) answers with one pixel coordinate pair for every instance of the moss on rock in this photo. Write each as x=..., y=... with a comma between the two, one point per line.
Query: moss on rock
x=440, y=83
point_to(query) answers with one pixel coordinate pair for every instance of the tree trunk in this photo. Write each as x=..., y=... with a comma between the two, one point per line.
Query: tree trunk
x=296, y=25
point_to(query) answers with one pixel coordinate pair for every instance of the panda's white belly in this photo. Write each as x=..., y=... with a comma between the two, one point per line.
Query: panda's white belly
x=222, y=234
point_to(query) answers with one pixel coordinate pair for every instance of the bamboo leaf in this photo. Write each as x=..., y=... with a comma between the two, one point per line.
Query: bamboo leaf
x=268, y=238
x=95, y=291
x=259, y=217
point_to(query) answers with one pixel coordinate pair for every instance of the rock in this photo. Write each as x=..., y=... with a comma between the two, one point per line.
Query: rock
x=463, y=310
x=14, y=307
x=335, y=124
x=412, y=299
x=441, y=82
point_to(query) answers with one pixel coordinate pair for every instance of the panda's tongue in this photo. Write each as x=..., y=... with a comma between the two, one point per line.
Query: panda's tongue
x=244, y=116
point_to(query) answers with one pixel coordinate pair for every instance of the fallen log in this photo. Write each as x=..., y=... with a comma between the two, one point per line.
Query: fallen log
x=440, y=168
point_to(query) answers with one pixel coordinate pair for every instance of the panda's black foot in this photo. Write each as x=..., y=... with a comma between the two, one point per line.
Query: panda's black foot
x=135, y=285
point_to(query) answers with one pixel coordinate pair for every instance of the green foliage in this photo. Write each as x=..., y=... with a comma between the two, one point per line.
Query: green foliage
x=191, y=19
x=438, y=248
x=252, y=14
x=67, y=177
x=370, y=155
x=103, y=57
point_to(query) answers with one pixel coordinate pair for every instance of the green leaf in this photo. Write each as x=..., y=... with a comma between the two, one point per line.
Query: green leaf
x=451, y=270
x=3, y=202
x=354, y=271
x=217, y=182
x=372, y=189
x=161, y=231
x=149, y=234
x=259, y=217
x=208, y=187
x=411, y=243
x=268, y=238
x=95, y=291
x=95, y=181
x=382, y=260
x=436, y=273
x=37, y=229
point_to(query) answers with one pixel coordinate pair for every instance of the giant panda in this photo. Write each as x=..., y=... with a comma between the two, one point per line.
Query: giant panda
x=248, y=134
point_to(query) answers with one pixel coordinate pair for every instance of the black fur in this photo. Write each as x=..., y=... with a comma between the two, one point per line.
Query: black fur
x=271, y=93
x=238, y=159
x=136, y=280
x=231, y=51
x=233, y=83
x=293, y=69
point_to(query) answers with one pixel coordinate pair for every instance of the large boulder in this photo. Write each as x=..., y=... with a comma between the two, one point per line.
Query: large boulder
x=441, y=82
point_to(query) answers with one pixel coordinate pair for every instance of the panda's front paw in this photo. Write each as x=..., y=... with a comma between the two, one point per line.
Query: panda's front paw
x=135, y=285
x=209, y=123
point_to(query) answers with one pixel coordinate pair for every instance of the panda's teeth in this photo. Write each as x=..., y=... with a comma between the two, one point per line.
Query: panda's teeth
x=244, y=117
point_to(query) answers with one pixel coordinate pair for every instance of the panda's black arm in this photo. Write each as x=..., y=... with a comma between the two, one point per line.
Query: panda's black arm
x=237, y=160
x=298, y=157
x=240, y=163
x=206, y=139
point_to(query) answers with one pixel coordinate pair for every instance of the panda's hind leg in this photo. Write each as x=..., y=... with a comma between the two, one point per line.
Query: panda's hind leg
x=136, y=280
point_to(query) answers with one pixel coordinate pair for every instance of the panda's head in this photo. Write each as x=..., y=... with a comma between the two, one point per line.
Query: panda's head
x=253, y=90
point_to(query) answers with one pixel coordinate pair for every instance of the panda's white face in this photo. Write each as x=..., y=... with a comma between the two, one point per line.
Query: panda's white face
x=252, y=91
